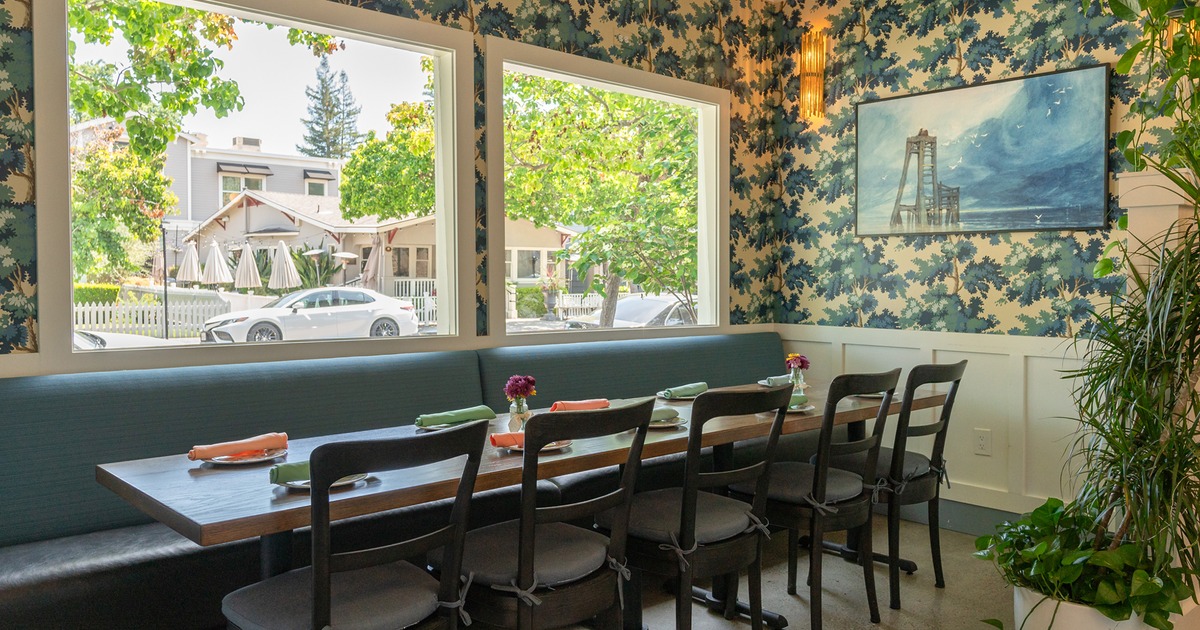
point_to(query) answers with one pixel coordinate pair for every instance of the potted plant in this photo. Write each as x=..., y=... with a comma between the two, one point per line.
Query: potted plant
x=551, y=285
x=1128, y=542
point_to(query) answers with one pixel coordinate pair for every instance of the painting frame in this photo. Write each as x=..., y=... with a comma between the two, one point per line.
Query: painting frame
x=1005, y=166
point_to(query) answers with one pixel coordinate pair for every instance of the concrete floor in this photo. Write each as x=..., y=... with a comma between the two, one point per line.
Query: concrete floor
x=974, y=590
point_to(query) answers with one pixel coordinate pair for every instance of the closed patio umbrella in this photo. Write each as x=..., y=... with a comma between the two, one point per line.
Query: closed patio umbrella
x=216, y=268
x=283, y=269
x=189, y=265
x=158, y=269
x=247, y=270
x=370, y=274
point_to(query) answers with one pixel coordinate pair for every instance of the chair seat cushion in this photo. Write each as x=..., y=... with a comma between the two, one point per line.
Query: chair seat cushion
x=563, y=553
x=792, y=481
x=395, y=595
x=655, y=516
x=915, y=464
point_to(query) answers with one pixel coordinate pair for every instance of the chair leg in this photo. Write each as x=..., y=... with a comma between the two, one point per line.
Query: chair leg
x=683, y=600
x=731, y=594
x=754, y=583
x=793, y=558
x=610, y=619
x=893, y=526
x=632, y=617
x=814, y=572
x=935, y=542
x=866, y=558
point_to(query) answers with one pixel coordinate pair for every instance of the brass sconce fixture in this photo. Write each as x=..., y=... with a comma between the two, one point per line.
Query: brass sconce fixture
x=812, y=74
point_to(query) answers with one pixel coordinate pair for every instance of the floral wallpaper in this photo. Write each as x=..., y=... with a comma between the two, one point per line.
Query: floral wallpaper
x=18, y=242
x=1036, y=283
x=793, y=254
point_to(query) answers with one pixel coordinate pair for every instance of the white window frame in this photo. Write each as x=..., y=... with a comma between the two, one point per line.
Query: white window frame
x=241, y=185
x=324, y=187
x=453, y=52
x=713, y=177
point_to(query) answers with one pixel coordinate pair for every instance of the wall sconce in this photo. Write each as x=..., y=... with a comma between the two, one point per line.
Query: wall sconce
x=812, y=74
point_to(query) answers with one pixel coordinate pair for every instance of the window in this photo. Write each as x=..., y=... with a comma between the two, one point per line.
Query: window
x=388, y=62
x=612, y=185
x=231, y=185
x=412, y=262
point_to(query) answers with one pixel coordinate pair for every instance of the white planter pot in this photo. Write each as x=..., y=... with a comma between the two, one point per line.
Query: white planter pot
x=1069, y=616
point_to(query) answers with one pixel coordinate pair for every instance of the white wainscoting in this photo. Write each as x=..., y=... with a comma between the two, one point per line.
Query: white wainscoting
x=1013, y=386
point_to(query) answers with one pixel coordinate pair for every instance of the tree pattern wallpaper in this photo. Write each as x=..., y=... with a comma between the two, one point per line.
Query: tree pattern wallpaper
x=793, y=254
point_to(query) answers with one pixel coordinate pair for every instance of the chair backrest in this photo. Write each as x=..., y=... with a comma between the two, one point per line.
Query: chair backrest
x=841, y=387
x=330, y=462
x=718, y=403
x=615, y=423
x=928, y=374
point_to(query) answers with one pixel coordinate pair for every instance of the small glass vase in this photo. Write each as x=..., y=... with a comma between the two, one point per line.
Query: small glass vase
x=518, y=414
x=798, y=379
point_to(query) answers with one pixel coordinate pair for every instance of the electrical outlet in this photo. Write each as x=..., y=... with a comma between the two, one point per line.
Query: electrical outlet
x=983, y=442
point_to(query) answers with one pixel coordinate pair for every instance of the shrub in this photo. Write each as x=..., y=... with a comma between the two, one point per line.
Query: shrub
x=531, y=302
x=96, y=293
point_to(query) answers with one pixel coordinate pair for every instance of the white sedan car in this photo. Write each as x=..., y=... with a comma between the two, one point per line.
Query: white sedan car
x=323, y=313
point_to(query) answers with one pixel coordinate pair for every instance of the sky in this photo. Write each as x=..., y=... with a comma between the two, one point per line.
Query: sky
x=272, y=76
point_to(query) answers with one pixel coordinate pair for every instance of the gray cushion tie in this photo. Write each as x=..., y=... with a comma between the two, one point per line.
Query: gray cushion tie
x=825, y=509
x=462, y=600
x=623, y=575
x=942, y=475
x=759, y=524
x=679, y=551
x=525, y=595
x=882, y=485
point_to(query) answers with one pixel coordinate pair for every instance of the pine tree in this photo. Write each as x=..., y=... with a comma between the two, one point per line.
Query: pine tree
x=331, y=129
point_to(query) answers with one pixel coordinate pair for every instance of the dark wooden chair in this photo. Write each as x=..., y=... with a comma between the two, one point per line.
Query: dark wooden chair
x=689, y=533
x=542, y=571
x=371, y=587
x=910, y=478
x=820, y=498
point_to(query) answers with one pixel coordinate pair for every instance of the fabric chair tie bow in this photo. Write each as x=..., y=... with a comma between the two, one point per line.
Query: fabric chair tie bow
x=942, y=473
x=525, y=595
x=623, y=575
x=757, y=523
x=679, y=551
x=824, y=509
x=462, y=600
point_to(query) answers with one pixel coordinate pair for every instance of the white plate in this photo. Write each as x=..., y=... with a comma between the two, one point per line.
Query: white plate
x=875, y=395
x=553, y=446
x=660, y=395
x=437, y=427
x=804, y=409
x=669, y=423
x=253, y=457
x=344, y=481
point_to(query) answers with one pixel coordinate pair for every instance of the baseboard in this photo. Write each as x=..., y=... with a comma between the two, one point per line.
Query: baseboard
x=959, y=517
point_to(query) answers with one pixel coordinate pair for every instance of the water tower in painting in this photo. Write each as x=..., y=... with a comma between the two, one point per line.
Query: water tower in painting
x=935, y=203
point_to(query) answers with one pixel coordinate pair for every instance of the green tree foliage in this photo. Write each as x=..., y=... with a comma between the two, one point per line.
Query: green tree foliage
x=171, y=68
x=117, y=195
x=624, y=166
x=331, y=130
x=393, y=176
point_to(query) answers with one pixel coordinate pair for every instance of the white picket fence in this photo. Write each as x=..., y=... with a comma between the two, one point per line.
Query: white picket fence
x=577, y=304
x=187, y=319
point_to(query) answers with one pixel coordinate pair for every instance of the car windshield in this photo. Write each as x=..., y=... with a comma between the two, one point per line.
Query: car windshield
x=636, y=309
x=283, y=300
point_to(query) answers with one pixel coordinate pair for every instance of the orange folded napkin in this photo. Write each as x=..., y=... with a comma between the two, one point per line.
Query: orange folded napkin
x=580, y=405
x=256, y=443
x=505, y=440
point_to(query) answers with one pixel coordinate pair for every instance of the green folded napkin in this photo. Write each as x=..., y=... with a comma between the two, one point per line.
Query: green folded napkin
x=663, y=413
x=798, y=400
x=457, y=416
x=683, y=391
x=295, y=471
x=776, y=381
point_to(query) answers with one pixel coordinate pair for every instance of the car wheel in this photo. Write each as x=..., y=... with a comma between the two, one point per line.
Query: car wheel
x=385, y=328
x=264, y=332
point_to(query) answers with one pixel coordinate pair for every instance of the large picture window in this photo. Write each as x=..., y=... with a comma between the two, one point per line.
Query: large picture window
x=611, y=193
x=262, y=153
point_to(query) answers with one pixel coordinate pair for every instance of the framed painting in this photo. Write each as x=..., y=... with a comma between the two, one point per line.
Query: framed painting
x=1021, y=154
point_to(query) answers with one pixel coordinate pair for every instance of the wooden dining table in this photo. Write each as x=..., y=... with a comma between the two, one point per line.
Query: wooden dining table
x=210, y=503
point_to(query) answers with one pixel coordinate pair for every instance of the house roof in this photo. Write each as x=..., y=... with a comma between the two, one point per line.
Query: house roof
x=321, y=211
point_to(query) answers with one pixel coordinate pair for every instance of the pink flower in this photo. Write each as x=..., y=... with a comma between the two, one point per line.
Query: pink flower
x=797, y=361
x=520, y=387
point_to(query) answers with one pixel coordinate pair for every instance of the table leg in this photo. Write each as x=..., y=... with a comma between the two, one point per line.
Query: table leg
x=275, y=553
